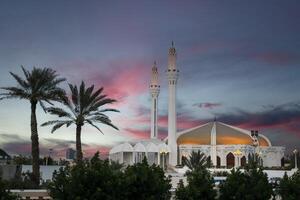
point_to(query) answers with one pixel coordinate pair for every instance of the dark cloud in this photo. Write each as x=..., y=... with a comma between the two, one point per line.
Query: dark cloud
x=207, y=105
x=286, y=117
x=277, y=58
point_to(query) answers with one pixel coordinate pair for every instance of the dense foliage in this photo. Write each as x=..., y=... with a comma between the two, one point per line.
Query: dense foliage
x=251, y=185
x=4, y=193
x=289, y=187
x=99, y=179
x=197, y=160
x=200, y=186
x=142, y=181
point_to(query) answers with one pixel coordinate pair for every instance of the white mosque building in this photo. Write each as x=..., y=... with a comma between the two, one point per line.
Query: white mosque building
x=225, y=145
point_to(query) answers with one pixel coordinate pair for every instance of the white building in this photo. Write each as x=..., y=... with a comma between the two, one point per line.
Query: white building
x=225, y=145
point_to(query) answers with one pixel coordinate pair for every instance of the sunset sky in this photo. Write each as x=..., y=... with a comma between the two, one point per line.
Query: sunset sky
x=239, y=61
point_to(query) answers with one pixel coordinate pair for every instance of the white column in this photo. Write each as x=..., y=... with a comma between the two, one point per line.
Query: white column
x=154, y=91
x=172, y=126
x=213, y=143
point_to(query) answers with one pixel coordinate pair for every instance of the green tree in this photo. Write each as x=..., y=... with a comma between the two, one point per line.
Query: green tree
x=200, y=186
x=254, y=162
x=289, y=187
x=251, y=185
x=84, y=107
x=98, y=179
x=142, y=181
x=197, y=160
x=200, y=182
x=5, y=194
x=95, y=179
x=39, y=86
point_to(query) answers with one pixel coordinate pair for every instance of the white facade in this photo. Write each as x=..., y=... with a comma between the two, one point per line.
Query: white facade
x=154, y=150
x=229, y=146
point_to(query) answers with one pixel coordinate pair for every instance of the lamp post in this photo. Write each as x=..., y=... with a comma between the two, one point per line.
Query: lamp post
x=237, y=153
x=295, y=152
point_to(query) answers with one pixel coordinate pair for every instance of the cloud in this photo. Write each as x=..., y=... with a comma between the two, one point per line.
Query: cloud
x=277, y=58
x=285, y=117
x=207, y=105
x=120, y=78
x=15, y=145
x=138, y=133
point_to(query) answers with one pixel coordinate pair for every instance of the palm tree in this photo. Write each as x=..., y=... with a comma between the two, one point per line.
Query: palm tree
x=197, y=160
x=83, y=107
x=39, y=86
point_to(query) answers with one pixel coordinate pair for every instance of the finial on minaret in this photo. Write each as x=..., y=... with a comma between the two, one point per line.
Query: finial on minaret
x=154, y=76
x=172, y=58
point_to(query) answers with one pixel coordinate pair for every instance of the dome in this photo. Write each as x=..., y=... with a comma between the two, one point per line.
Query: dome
x=225, y=135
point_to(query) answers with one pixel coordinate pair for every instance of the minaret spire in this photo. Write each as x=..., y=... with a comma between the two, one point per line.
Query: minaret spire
x=172, y=73
x=154, y=91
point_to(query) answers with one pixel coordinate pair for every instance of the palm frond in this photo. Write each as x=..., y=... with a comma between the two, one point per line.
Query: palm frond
x=92, y=124
x=104, y=120
x=25, y=72
x=59, y=112
x=197, y=160
x=109, y=110
x=21, y=82
x=57, y=126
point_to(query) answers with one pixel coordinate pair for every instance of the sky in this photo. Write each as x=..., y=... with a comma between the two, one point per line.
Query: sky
x=239, y=61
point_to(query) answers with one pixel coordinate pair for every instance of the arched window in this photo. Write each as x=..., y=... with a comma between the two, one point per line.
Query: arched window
x=282, y=162
x=218, y=162
x=208, y=160
x=243, y=161
x=230, y=160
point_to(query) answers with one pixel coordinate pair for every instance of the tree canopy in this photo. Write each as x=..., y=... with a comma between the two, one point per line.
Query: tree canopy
x=99, y=179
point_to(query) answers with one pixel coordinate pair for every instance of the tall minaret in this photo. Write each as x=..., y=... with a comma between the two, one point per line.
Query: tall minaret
x=154, y=91
x=172, y=127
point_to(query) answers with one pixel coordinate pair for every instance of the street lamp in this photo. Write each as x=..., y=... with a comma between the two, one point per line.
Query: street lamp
x=295, y=152
x=237, y=153
x=163, y=152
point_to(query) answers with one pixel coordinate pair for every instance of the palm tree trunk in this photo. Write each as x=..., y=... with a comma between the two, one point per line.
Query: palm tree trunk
x=35, y=145
x=78, y=144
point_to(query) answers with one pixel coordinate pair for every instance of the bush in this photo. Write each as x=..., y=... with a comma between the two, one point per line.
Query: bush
x=86, y=180
x=142, y=181
x=5, y=194
x=200, y=186
x=24, y=181
x=251, y=185
x=289, y=188
x=98, y=179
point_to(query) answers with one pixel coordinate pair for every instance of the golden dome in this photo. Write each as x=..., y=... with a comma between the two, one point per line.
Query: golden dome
x=225, y=135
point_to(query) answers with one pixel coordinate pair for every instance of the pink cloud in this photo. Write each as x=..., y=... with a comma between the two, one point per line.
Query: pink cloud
x=120, y=79
x=138, y=133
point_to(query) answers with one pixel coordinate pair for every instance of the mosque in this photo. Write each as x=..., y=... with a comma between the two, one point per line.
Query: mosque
x=225, y=145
